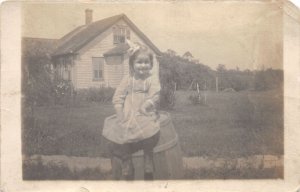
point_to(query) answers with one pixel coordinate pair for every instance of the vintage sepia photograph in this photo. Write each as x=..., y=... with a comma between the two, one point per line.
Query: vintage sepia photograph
x=181, y=90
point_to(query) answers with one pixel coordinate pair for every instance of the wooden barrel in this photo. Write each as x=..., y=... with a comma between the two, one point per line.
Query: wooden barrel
x=167, y=154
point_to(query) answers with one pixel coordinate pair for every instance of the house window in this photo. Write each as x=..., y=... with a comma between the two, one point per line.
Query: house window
x=121, y=32
x=98, y=63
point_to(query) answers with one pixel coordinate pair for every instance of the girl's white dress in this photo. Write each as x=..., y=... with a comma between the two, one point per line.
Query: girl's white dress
x=131, y=95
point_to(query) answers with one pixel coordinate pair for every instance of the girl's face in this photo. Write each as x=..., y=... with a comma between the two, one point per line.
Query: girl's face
x=142, y=65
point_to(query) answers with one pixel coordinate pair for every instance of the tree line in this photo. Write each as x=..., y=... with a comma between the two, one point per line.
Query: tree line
x=175, y=70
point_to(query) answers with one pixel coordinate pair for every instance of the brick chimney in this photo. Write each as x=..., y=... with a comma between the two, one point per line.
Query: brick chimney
x=88, y=16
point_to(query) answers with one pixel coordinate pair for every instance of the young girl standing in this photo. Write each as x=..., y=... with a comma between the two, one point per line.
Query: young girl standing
x=137, y=124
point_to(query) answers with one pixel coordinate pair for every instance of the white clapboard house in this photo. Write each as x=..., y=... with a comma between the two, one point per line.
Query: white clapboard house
x=95, y=54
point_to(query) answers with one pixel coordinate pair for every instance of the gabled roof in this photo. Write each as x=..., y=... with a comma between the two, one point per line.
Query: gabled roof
x=78, y=38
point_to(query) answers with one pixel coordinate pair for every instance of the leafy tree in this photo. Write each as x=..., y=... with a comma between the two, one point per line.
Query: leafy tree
x=37, y=81
x=221, y=68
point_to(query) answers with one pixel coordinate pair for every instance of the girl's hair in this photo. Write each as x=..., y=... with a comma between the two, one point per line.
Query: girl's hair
x=142, y=50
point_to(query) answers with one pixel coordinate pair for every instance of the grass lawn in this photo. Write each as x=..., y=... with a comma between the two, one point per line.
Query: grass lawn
x=231, y=124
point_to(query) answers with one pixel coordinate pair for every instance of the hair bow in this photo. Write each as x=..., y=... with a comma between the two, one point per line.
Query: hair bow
x=133, y=47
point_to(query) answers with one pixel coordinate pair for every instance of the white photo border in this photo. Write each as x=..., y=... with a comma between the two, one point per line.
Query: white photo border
x=11, y=157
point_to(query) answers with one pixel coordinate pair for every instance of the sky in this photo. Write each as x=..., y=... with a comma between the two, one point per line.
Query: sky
x=244, y=34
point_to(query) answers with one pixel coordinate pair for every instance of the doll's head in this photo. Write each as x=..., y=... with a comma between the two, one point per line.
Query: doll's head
x=140, y=62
